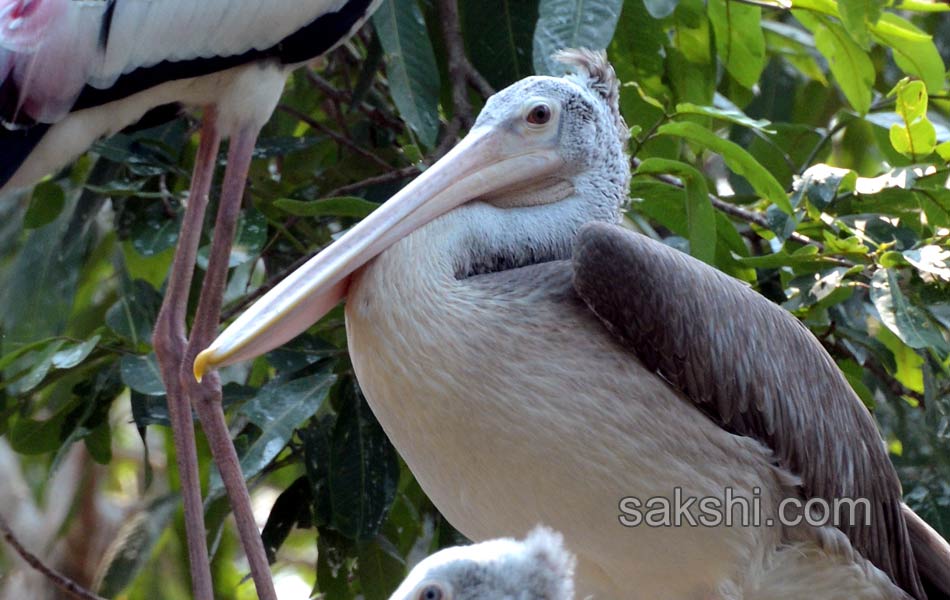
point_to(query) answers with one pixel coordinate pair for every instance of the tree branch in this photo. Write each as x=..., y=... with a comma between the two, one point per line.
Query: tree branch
x=343, y=140
x=455, y=51
x=375, y=180
x=57, y=579
x=377, y=116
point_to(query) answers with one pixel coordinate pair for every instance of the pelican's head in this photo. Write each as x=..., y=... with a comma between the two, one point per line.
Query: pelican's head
x=545, y=156
x=538, y=567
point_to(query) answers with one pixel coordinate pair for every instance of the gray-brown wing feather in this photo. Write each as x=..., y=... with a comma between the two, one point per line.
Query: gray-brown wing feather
x=753, y=369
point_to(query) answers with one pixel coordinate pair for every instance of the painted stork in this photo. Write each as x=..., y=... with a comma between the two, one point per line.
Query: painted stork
x=536, y=568
x=73, y=72
x=535, y=363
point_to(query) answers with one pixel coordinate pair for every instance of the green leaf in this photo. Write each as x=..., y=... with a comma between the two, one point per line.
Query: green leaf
x=42, y=363
x=795, y=46
x=334, y=566
x=132, y=546
x=916, y=140
x=498, y=36
x=38, y=292
x=856, y=15
x=911, y=100
x=908, y=322
x=381, y=568
x=731, y=114
x=364, y=469
x=30, y=436
x=700, y=215
x=289, y=509
x=736, y=158
x=46, y=204
x=250, y=239
x=277, y=410
x=739, y=39
x=72, y=354
x=572, y=24
x=943, y=149
x=8, y=359
x=914, y=50
x=410, y=66
x=916, y=137
x=141, y=373
x=316, y=451
x=344, y=206
x=133, y=315
x=851, y=66
x=820, y=184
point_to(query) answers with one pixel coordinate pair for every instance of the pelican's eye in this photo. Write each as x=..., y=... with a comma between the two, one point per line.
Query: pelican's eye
x=539, y=114
x=432, y=591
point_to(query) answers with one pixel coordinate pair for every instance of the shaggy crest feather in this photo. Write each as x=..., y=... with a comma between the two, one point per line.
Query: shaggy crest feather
x=597, y=74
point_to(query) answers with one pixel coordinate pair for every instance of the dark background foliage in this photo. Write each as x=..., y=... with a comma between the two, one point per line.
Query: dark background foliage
x=799, y=146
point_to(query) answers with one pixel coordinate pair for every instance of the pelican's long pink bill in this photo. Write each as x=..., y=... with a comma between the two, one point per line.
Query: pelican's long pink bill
x=489, y=159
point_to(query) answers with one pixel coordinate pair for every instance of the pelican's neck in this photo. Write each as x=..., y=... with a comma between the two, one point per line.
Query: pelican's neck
x=480, y=237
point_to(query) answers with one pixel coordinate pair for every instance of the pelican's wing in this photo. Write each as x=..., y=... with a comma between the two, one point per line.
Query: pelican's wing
x=752, y=368
x=61, y=55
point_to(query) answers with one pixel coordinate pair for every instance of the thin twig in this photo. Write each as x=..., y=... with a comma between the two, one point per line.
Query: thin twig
x=56, y=578
x=333, y=135
x=477, y=81
x=377, y=116
x=376, y=180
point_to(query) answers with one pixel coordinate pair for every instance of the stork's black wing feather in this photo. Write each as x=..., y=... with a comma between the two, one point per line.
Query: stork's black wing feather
x=753, y=369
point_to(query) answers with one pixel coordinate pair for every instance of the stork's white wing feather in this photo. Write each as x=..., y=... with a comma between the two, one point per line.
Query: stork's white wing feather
x=79, y=42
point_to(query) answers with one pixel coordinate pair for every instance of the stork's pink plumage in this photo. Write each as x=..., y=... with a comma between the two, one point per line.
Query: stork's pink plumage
x=72, y=72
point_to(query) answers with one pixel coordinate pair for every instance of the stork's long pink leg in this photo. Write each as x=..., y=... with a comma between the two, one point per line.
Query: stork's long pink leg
x=170, y=342
x=206, y=396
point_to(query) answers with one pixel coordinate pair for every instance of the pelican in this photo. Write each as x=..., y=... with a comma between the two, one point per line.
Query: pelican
x=536, y=568
x=533, y=362
x=72, y=72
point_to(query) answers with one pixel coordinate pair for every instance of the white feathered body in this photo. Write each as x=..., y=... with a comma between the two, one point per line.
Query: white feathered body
x=514, y=406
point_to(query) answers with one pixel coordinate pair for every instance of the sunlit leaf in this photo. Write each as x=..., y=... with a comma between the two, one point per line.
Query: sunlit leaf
x=738, y=159
x=851, y=66
x=914, y=50
x=731, y=114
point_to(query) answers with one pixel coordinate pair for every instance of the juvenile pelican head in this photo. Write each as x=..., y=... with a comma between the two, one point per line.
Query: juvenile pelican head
x=545, y=156
x=538, y=568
